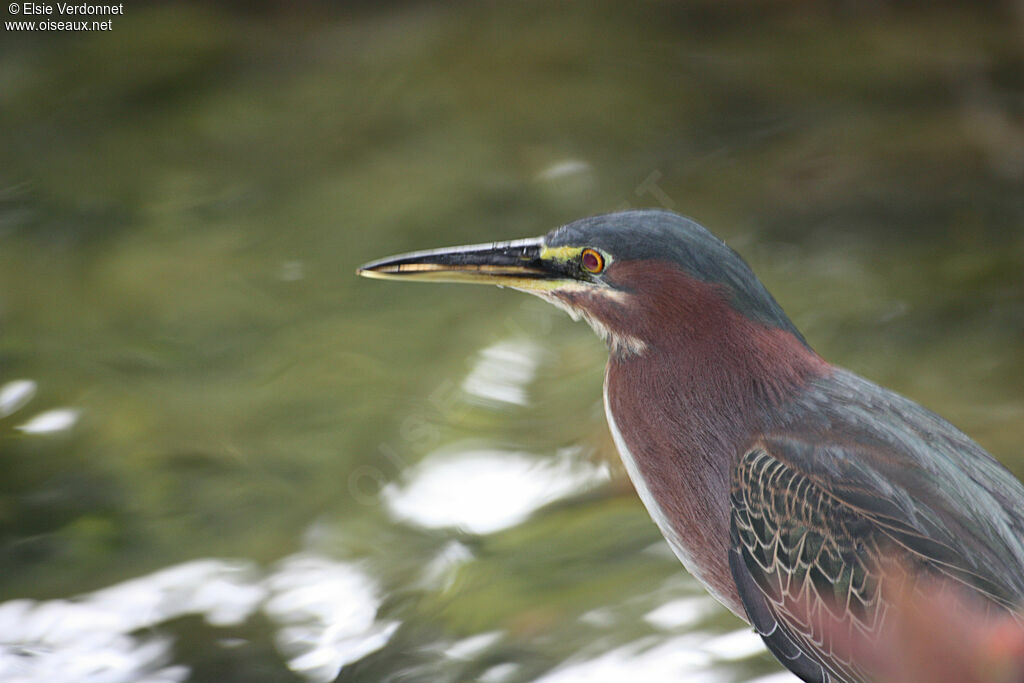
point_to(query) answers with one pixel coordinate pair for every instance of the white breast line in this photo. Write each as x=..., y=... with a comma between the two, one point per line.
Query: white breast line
x=650, y=502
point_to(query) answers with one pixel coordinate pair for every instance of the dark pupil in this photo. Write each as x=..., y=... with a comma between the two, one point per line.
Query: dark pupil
x=590, y=261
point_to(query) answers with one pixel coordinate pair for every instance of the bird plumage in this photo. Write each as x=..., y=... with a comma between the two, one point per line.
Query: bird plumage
x=835, y=514
x=648, y=235
x=804, y=497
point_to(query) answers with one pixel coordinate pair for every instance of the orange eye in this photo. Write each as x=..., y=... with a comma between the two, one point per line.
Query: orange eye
x=592, y=261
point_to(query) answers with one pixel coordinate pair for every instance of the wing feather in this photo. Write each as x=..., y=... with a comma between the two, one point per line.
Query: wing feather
x=804, y=566
x=818, y=556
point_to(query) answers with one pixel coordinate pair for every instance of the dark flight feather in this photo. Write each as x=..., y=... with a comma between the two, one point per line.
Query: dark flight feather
x=833, y=514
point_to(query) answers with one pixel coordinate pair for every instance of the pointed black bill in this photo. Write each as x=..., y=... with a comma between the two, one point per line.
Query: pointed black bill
x=517, y=264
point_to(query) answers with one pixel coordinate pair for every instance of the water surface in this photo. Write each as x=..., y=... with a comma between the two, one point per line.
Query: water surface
x=225, y=457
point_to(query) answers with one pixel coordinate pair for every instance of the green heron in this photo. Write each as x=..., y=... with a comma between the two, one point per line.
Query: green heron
x=787, y=486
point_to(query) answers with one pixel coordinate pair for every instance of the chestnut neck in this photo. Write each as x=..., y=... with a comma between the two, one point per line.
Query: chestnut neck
x=708, y=382
x=701, y=351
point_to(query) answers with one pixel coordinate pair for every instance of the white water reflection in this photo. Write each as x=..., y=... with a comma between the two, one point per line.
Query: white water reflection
x=485, y=490
x=325, y=609
x=102, y=657
x=56, y=420
x=439, y=573
x=15, y=394
x=566, y=167
x=676, y=659
x=734, y=645
x=470, y=647
x=682, y=612
x=328, y=612
x=503, y=371
x=692, y=657
x=499, y=673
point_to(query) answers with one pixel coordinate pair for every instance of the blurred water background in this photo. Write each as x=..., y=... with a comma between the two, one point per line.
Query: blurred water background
x=224, y=457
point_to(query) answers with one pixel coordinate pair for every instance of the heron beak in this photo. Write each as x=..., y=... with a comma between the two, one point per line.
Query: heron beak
x=520, y=264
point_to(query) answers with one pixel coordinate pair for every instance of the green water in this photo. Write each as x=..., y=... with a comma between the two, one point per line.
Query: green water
x=192, y=370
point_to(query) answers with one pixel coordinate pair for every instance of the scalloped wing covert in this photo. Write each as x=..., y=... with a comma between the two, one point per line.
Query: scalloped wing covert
x=817, y=573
